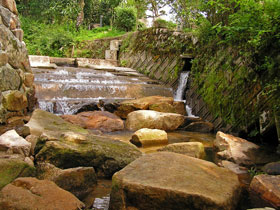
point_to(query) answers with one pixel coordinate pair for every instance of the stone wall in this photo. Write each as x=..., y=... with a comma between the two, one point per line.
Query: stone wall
x=16, y=86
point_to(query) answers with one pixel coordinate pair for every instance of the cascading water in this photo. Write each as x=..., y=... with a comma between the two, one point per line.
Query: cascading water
x=179, y=94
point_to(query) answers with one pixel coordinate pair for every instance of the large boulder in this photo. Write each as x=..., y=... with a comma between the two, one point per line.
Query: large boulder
x=153, y=120
x=192, y=149
x=30, y=193
x=98, y=120
x=12, y=143
x=156, y=103
x=79, y=181
x=67, y=146
x=149, y=137
x=265, y=191
x=12, y=168
x=241, y=151
x=169, y=181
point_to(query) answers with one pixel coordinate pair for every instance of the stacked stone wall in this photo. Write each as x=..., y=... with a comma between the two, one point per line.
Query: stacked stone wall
x=17, y=92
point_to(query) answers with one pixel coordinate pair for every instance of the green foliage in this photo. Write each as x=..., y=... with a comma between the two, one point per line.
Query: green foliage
x=161, y=23
x=125, y=18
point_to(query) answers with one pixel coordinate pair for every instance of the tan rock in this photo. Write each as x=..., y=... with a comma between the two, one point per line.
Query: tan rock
x=12, y=143
x=153, y=120
x=18, y=34
x=99, y=120
x=3, y=58
x=180, y=107
x=42, y=194
x=11, y=5
x=265, y=191
x=32, y=139
x=168, y=180
x=149, y=137
x=14, y=100
x=28, y=79
x=192, y=149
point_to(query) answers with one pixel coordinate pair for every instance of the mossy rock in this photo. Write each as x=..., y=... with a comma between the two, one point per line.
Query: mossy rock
x=10, y=169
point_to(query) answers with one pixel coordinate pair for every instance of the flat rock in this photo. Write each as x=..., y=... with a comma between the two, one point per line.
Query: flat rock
x=153, y=120
x=98, y=120
x=149, y=137
x=192, y=149
x=30, y=193
x=11, y=142
x=79, y=181
x=265, y=191
x=169, y=181
x=241, y=151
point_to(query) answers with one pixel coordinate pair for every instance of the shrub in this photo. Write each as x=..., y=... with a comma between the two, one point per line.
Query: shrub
x=125, y=18
x=160, y=23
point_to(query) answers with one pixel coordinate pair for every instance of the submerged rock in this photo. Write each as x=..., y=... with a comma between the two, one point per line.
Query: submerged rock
x=202, y=127
x=169, y=181
x=99, y=120
x=67, y=146
x=192, y=149
x=79, y=181
x=265, y=191
x=30, y=193
x=153, y=120
x=149, y=137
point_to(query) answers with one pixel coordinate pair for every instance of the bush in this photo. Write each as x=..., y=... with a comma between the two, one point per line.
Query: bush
x=160, y=23
x=125, y=18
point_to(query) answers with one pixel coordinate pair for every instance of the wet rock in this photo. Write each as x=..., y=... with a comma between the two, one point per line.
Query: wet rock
x=168, y=180
x=12, y=168
x=88, y=107
x=188, y=120
x=265, y=191
x=272, y=168
x=98, y=120
x=12, y=143
x=192, y=149
x=149, y=137
x=79, y=181
x=240, y=151
x=55, y=146
x=202, y=127
x=153, y=120
x=40, y=194
x=14, y=100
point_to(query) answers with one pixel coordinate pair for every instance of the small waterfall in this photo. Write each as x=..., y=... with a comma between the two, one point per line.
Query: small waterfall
x=179, y=94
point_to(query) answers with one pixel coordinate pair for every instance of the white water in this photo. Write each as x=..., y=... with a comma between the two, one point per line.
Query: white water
x=179, y=94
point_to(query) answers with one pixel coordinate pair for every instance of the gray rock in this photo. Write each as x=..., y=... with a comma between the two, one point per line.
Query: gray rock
x=272, y=168
x=6, y=16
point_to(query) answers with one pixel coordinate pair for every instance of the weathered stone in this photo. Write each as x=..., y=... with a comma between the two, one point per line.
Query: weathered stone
x=168, y=180
x=192, y=149
x=18, y=34
x=240, y=151
x=79, y=181
x=180, y=107
x=149, y=137
x=265, y=191
x=37, y=61
x=99, y=120
x=111, y=55
x=11, y=169
x=28, y=79
x=11, y=5
x=33, y=141
x=14, y=100
x=162, y=107
x=11, y=142
x=188, y=120
x=9, y=78
x=272, y=168
x=29, y=161
x=30, y=193
x=3, y=58
x=115, y=45
x=104, y=154
x=5, y=15
x=202, y=127
x=23, y=131
x=31, y=98
x=14, y=22
x=154, y=120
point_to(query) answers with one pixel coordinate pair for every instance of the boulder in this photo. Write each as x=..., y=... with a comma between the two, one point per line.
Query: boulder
x=99, y=120
x=68, y=146
x=192, y=149
x=241, y=151
x=14, y=100
x=154, y=120
x=11, y=142
x=12, y=168
x=265, y=191
x=168, y=181
x=202, y=127
x=272, y=168
x=149, y=137
x=79, y=181
x=30, y=193
x=10, y=80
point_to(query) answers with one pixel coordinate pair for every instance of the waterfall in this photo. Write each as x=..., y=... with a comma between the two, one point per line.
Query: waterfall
x=179, y=94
